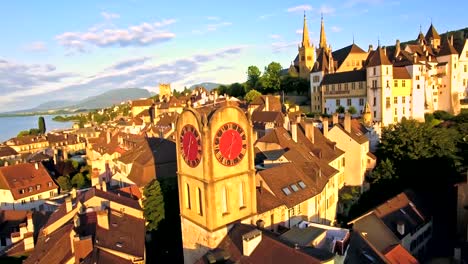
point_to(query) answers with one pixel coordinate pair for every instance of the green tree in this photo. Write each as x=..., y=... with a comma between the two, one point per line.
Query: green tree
x=41, y=125
x=340, y=109
x=385, y=171
x=253, y=77
x=252, y=95
x=153, y=205
x=271, y=78
x=23, y=133
x=442, y=115
x=236, y=90
x=79, y=181
x=64, y=183
x=352, y=110
x=222, y=89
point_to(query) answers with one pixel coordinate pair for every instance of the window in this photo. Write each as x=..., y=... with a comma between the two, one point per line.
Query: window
x=403, y=83
x=387, y=102
x=51, y=194
x=388, y=84
x=309, y=58
x=199, y=202
x=395, y=83
x=403, y=110
x=286, y=191
x=30, y=188
x=49, y=184
x=396, y=111
x=337, y=102
x=346, y=87
x=418, y=86
x=395, y=100
x=464, y=68
x=348, y=101
x=38, y=187
x=466, y=55
x=302, y=58
x=361, y=101
x=294, y=187
x=21, y=191
x=375, y=114
x=375, y=101
x=39, y=197
x=374, y=70
x=301, y=184
x=333, y=87
x=353, y=85
x=241, y=195
x=403, y=99
x=187, y=196
x=374, y=83
x=339, y=87
x=395, y=119
x=417, y=77
x=343, y=161
x=361, y=85
x=224, y=200
x=31, y=199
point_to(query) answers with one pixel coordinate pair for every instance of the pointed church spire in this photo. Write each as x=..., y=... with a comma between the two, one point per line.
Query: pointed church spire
x=323, y=37
x=305, y=33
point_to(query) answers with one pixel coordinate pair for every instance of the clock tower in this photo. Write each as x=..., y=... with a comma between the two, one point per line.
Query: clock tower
x=216, y=175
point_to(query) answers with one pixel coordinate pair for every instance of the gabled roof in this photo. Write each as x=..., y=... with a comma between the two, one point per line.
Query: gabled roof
x=269, y=250
x=340, y=55
x=24, y=179
x=400, y=73
x=432, y=33
x=142, y=103
x=447, y=48
x=6, y=151
x=344, y=77
x=378, y=57
x=397, y=254
x=263, y=117
x=53, y=248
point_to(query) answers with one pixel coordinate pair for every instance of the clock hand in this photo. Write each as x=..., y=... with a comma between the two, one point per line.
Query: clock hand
x=189, y=146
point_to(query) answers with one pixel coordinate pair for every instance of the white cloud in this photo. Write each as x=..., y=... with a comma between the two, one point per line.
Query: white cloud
x=105, y=36
x=282, y=45
x=275, y=36
x=351, y=3
x=326, y=10
x=35, y=84
x=265, y=16
x=37, y=46
x=109, y=16
x=299, y=31
x=336, y=29
x=213, y=18
x=299, y=8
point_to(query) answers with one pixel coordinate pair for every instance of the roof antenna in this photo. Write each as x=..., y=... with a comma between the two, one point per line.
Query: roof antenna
x=420, y=28
x=378, y=41
x=353, y=38
x=321, y=15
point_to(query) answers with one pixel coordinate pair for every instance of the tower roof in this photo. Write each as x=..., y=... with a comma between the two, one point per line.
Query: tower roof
x=323, y=37
x=432, y=33
x=447, y=48
x=378, y=57
x=305, y=33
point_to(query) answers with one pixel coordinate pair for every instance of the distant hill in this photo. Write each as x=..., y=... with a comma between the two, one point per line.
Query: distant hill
x=103, y=100
x=111, y=97
x=208, y=85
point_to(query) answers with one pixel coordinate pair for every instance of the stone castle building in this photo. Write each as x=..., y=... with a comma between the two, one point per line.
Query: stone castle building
x=421, y=76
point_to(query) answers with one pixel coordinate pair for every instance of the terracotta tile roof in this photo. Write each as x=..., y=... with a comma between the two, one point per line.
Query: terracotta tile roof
x=360, y=251
x=10, y=221
x=126, y=234
x=322, y=63
x=397, y=254
x=24, y=180
x=98, y=256
x=6, y=151
x=83, y=197
x=269, y=250
x=266, y=201
x=447, y=48
x=274, y=103
x=83, y=248
x=68, y=139
x=151, y=154
x=355, y=134
x=400, y=73
x=54, y=248
x=25, y=140
x=143, y=102
x=344, y=77
x=377, y=57
x=263, y=117
x=131, y=191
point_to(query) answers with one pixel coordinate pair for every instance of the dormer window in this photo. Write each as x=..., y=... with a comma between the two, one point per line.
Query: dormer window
x=294, y=187
x=301, y=184
x=286, y=191
x=30, y=189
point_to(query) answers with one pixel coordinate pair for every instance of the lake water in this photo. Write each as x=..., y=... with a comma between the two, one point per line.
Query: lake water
x=11, y=126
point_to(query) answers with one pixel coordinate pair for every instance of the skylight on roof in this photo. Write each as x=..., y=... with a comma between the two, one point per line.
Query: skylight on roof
x=301, y=184
x=294, y=187
x=286, y=191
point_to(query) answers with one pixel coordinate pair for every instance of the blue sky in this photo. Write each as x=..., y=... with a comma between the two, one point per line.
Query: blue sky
x=58, y=50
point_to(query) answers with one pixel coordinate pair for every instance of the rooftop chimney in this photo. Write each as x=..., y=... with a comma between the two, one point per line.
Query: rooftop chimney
x=104, y=186
x=108, y=137
x=309, y=131
x=371, y=48
x=401, y=228
x=347, y=122
x=335, y=119
x=68, y=204
x=73, y=193
x=36, y=166
x=250, y=241
x=451, y=39
x=267, y=103
x=5, y=163
x=397, y=48
x=325, y=127
x=294, y=131
x=103, y=219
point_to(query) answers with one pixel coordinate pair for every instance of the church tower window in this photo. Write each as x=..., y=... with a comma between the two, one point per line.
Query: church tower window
x=199, y=202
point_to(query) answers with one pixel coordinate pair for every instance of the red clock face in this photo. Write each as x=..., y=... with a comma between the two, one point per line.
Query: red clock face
x=190, y=145
x=230, y=144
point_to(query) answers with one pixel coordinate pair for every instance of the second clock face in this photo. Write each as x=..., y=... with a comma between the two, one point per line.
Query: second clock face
x=190, y=145
x=230, y=144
